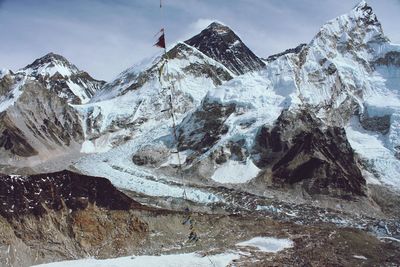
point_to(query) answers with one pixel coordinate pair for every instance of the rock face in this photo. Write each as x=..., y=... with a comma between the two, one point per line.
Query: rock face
x=69, y=215
x=37, y=122
x=220, y=43
x=307, y=152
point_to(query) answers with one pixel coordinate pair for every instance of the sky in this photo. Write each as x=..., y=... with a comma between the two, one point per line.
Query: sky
x=104, y=37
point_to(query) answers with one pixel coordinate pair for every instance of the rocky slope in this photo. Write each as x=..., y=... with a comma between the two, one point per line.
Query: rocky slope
x=65, y=215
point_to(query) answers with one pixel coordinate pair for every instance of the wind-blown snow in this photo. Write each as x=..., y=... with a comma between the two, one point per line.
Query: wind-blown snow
x=173, y=260
x=235, y=172
x=267, y=244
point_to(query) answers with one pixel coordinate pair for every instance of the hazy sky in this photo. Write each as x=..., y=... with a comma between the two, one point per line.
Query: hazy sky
x=104, y=37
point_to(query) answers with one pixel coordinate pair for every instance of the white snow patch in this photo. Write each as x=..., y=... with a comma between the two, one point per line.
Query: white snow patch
x=9, y=99
x=99, y=145
x=4, y=72
x=235, y=172
x=359, y=257
x=78, y=91
x=267, y=244
x=371, y=146
x=50, y=69
x=174, y=260
x=173, y=159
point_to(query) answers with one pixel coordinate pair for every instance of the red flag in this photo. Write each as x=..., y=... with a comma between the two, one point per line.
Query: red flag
x=161, y=40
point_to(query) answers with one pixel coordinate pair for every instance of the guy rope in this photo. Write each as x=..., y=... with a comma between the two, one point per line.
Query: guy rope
x=170, y=86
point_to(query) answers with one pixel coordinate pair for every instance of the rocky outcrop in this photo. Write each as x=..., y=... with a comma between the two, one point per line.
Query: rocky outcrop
x=220, y=43
x=379, y=124
x=65, y=215
x=309, y=153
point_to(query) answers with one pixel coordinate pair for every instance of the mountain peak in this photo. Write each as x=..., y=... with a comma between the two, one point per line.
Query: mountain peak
x=219, y=28
x=361, y=5
x=61, y=76
x=50, y=58
x=222, y=44
x=49, y=65
x=363, y=11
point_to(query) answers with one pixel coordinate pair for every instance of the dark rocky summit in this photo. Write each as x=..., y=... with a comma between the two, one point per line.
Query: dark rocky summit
x=221, y=44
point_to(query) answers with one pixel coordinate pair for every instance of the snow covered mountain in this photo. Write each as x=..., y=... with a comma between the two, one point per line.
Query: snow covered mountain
x=235, y=112
x=37, y=121
x=59, y=75
x=304, y=144
x=338, y=81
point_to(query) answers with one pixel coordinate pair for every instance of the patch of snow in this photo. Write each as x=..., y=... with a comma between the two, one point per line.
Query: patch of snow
x=99, y=145
x=371, y=146
x=174, y=160
x=78, y=91
x=173, y=260
x=9, y=99
x=4, y=72
x=267, y=244
x=390, y=238
x=359, y=257
x=235, y=172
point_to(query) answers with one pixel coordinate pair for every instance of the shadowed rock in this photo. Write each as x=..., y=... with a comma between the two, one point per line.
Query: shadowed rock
x=320, y=158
